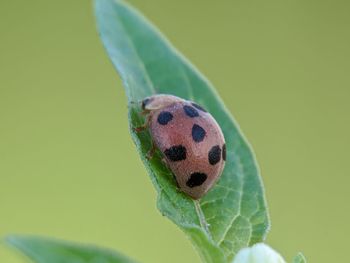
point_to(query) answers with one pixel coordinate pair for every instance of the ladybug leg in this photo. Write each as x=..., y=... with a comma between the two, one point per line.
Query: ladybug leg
x=140, y=128
x=144, y=112
x=178, y=189
x=164, y=162
x=145, y=125
x=151, y=152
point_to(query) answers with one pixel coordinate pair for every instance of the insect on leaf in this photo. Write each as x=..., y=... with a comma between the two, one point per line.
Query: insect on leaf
x=233, y=214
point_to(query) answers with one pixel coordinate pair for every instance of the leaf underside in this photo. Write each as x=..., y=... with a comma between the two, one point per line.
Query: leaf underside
x=42, y=250
x=233, y=214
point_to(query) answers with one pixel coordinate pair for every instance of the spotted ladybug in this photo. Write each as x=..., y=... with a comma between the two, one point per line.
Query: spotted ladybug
x=190, y=139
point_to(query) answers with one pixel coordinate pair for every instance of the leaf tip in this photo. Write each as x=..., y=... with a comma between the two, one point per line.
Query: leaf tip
x=12, y=239
x=17, y=241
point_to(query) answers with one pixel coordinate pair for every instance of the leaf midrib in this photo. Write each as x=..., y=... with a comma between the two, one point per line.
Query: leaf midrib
x=241, y=169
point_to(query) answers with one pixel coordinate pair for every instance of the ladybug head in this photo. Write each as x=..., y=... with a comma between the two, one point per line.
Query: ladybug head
x=158, y=101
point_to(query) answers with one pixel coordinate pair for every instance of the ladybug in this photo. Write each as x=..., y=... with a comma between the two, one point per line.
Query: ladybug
x=190, y=140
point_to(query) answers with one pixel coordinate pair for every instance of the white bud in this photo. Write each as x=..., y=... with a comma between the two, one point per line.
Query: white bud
x=259, y=253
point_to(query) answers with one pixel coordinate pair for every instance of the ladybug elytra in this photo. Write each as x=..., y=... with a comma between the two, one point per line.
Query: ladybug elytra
x=190, y=140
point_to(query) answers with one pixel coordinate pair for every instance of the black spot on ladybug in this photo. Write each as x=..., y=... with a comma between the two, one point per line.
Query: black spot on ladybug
x=190, y=111
x=198, y=107
x=176, y=153
x=196, y=179
x=214, y=155
x=164, y=117
x=198, y=133
x=224, y=152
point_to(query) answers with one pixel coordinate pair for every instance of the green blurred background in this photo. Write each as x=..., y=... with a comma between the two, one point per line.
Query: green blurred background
x=69, y=169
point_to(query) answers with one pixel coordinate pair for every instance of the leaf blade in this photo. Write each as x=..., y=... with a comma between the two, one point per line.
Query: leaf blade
x=43, y=250
x=299, y=258
x=147, y=63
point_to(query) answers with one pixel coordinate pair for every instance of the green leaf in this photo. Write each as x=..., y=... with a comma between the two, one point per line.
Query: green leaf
x=42, y=250
x=299, y=258
x=233, y=214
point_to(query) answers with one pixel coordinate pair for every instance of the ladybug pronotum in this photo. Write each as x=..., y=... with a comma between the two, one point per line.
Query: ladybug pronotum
x=190, y=139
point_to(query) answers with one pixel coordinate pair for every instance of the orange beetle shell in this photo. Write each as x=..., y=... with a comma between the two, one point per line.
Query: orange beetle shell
x=190, y=139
